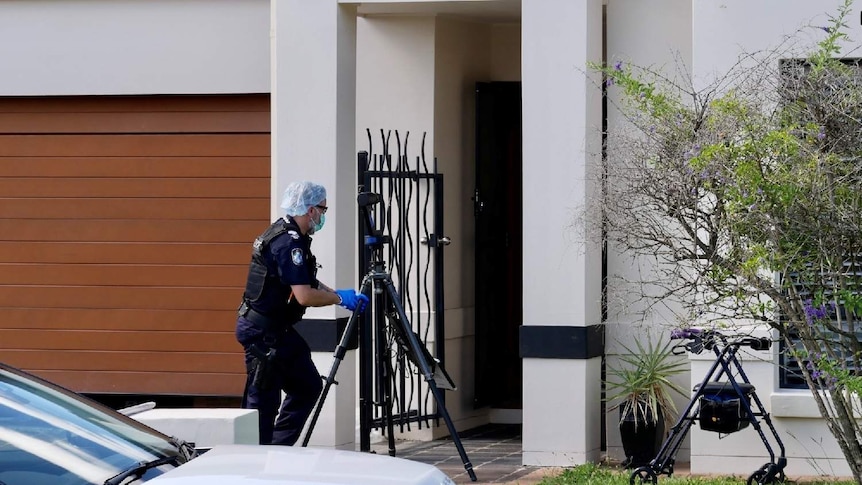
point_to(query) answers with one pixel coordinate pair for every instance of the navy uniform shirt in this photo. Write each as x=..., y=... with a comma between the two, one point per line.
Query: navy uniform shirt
x=291, y=253
x=290, y=262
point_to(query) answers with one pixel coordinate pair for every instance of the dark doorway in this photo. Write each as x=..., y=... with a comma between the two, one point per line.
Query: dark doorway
x=497, y=207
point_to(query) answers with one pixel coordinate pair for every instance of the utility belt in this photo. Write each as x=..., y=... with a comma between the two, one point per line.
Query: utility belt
x=259, y=320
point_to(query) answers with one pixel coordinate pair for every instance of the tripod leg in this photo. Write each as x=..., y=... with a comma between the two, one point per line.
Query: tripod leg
x=425, y=368
x=384, y=369
x=340, y=350
x=387, y=402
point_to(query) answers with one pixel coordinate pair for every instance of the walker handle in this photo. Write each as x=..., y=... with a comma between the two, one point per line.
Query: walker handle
x=681, y=333
x=756, y=343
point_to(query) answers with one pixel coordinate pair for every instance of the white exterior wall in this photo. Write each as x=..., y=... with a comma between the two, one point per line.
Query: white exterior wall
x=707, y=39
x=462, y=57
x=107, y=47
x=395, y=92
x=721, y=32
x=667, y=23
x=418, y=74
x=96, y=47
x=725, y=30
x=313, y=138
x=506, y=52
x=395, y=79
x=561, y=276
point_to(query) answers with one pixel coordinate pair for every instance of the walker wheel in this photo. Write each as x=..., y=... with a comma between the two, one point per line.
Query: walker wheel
x=668, y=470
x=643, y=475
x=757, y=477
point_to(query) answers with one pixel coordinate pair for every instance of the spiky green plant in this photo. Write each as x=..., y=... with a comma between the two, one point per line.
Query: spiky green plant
x=642, y=384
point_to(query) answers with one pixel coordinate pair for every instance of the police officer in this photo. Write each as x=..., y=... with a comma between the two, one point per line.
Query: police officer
x=282, y=283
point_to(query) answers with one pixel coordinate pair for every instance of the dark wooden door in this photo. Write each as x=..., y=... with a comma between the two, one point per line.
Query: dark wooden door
x=497, y=207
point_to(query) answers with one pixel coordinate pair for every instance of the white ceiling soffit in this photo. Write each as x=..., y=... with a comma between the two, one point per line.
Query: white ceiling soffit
x=484, y=10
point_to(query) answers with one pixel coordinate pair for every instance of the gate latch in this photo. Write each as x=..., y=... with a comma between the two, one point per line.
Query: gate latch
x=436, y=241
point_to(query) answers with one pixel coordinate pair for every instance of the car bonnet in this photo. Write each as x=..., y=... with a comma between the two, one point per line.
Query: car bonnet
x=281, y=465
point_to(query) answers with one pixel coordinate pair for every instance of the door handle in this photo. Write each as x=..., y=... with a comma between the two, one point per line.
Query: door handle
x=433, y=240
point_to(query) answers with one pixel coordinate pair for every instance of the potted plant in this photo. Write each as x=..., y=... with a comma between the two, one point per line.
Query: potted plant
x=641, y=388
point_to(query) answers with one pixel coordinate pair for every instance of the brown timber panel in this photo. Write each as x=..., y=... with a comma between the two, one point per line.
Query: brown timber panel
x=108, y=188
x=133, y=361
x=163, y=208
x=122, y=252
x=125, y=230
x=167, y=383
x=122, y=145
x=129, y=122
x=129, y=230
x=143, y=319
x=122, y=275
x=208, y=166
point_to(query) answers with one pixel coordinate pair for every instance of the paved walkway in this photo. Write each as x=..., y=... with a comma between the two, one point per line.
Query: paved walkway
x=494, y=450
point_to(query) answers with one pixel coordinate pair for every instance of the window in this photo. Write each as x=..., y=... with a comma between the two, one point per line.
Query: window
x=838, y=329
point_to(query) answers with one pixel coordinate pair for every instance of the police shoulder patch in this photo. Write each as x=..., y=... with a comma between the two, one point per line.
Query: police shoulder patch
x=297, y=257
x=293, y=234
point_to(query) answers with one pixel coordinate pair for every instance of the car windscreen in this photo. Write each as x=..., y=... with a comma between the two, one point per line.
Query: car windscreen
x=50, y=435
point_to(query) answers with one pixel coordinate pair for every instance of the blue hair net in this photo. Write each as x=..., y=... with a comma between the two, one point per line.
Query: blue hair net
x=299, y=196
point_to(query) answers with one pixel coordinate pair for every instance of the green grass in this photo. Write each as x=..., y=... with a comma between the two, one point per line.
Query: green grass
x=592, y=474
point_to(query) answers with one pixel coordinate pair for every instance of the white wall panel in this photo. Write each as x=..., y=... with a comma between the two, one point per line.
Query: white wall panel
x=667, y=24
x=725, y=30
x=83, y=47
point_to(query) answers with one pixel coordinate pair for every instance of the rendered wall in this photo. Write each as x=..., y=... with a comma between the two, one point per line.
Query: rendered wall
x=722, y=32
x=667, y=25
x=707, y=39
x=418, y=74
x=462, y=58
x=396, y=73
x=394, y=77
x=561, y=275
x=506, y=52
x=313, y=138
x=60, y=47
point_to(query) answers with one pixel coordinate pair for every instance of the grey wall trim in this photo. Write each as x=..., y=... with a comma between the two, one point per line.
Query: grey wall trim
x=561, y=342
x=324, y=335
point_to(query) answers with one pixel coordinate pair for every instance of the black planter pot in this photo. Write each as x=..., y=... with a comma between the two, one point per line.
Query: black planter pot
x=641, y=443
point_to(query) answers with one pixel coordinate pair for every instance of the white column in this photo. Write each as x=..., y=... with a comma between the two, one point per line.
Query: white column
x=562, y=276
x=313, y=138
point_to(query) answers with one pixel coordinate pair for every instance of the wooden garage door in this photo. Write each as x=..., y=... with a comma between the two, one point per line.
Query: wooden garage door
x=125, y=233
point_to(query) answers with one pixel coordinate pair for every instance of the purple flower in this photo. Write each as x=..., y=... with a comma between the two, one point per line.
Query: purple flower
x=821, y=134
x=609, y=81
x=618, y=66
x=826, y=29
x=813, y=313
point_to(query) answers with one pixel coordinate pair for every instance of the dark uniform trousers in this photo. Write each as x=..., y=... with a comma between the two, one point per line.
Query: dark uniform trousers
x=294, y=373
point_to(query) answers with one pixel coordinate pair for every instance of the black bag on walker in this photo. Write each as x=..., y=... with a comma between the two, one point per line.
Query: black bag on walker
x=721, y=407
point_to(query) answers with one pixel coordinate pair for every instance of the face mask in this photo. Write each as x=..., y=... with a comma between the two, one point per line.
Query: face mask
x=319, y=224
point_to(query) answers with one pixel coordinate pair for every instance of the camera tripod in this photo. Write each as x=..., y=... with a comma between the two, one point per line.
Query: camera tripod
x=379, y=283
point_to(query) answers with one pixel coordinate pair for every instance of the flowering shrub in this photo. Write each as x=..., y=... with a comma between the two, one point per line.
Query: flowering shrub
x=747, y=196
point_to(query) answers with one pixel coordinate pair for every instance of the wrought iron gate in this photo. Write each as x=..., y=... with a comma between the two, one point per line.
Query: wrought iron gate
x=411, y=216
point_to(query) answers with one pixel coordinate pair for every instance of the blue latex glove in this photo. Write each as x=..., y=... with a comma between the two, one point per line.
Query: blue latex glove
x=351, y=299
